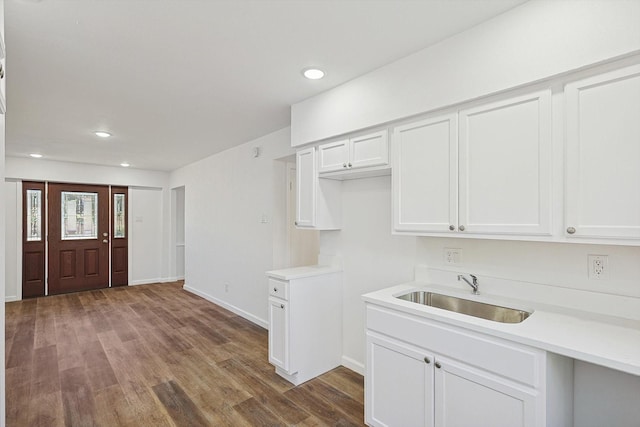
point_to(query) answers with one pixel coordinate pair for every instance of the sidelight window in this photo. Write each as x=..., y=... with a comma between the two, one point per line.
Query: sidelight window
x=118, y=216
x=34, y=217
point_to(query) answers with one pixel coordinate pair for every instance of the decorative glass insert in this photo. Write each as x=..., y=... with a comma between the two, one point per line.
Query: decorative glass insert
x=34, y=219
x=118, y=216
x=79, y=215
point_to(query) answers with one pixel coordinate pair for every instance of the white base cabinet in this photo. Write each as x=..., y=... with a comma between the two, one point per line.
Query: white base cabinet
x=424, y=373
x=305, y=326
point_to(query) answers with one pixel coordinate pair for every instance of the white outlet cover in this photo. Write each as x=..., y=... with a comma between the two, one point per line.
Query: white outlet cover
x=598, y=267
x=452, y=255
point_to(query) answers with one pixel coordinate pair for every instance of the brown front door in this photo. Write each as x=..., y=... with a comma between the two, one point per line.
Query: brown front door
x=78, y=237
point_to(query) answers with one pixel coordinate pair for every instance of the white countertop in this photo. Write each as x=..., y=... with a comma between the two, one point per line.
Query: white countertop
x=607, y=341
x=299, y=272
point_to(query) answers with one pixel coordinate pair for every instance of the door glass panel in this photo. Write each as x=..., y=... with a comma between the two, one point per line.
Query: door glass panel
x=34, y=217
x=118, y=216
x=79, y=215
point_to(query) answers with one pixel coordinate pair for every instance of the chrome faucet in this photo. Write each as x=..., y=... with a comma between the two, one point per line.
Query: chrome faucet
x=473, y=284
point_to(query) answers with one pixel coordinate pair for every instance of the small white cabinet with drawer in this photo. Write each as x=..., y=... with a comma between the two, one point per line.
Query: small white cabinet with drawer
x=421, y=372
x=305, y=322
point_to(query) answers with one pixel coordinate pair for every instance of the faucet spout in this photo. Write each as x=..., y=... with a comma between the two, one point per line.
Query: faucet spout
x=474, y=283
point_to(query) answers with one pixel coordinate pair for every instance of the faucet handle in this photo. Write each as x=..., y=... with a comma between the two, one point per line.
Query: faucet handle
x=473, y=277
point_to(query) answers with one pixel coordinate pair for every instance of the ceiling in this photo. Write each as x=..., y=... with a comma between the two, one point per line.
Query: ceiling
x=175, y=81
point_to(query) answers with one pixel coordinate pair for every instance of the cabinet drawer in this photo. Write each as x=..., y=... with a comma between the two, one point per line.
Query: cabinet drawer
x=510, y=360
x=278, y=288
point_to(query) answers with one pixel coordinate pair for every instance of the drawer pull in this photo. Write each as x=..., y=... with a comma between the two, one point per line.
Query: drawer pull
x=281, y=305
x=275, y=289
x=427, y=360
x=438, y=365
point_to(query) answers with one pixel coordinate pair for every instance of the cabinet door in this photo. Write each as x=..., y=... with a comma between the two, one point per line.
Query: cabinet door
x=425, y=175
x=369, y=150
x=279, y=333
x=468, y=397
x=333, y=156
x=398, y=384
x=306, y=176
x=505, y=167
x=603, y=155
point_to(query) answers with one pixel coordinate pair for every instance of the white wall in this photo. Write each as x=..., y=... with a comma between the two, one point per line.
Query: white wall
x=13, y=282
x=146, y=235
x=534, y=41
x=226, y=197
x=149, y=199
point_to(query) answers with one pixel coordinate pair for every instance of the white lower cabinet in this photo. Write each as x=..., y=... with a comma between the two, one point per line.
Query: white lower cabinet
x=424, y=373
x=305, y=326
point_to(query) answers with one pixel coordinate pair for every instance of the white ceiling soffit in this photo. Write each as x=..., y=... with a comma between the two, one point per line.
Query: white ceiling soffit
x=176, y=81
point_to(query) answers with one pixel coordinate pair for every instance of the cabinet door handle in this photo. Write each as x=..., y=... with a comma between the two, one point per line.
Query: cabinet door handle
x=571, y=230
x=461, y=228
x=350, y=164
x=427, y=360
x=275, y=289
x=451, y=227
x=295, y=222
x=438, y=365
x=282, y=306
x=344, y=165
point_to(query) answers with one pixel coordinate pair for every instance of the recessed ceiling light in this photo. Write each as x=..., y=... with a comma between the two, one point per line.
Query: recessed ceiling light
x=102, y=134
x=35, y=155
x=313, y=73
x=125, y=164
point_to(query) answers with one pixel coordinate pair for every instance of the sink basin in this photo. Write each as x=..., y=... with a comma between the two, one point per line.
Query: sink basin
x=468, y=307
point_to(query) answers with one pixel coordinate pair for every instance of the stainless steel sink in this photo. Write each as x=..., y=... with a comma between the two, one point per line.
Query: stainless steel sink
x=468, y=307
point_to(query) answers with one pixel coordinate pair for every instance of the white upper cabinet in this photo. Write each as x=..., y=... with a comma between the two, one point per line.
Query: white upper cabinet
x=318, y=201
x=425, y=175
x=371, y=150
x=483, y=171
x=603, y=156
x=505, y=167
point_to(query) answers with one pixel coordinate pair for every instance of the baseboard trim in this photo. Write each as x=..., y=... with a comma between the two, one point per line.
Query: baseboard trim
x=11, y=299
x=250, y=317
x=352, y=364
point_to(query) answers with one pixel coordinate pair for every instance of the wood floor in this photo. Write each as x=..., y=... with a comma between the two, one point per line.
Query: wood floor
x=156, y=355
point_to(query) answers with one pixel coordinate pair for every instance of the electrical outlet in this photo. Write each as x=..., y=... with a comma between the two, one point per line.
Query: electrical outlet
x=598, y=266
x=452, y=255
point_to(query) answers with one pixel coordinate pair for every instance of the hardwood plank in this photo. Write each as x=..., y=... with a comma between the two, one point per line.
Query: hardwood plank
x=263, y=393
x=347, y=381
x=77, y=398
x=45, y=410
x=256, y=414
x=320, y=408
x=353, y=409
x=45, y=377
x=179, y=406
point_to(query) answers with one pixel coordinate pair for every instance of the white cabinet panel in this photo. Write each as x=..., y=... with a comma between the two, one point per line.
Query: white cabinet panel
x=369, y=150
x=466, y=397
x=399, y=384
x=306, y=176
x=278, y=333
x=603, y=156
x=364, y=153
x=425, y=175
x=505, y=166
x=333, y=156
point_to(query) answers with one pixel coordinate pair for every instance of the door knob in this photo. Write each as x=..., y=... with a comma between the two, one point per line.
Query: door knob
x=105, y=234
x=105, y=241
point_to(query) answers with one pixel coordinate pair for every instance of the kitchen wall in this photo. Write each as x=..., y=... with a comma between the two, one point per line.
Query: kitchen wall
x=149, y=214
x=234, y=213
